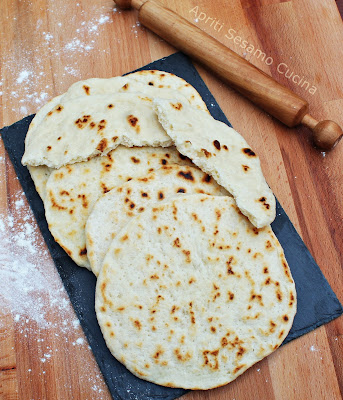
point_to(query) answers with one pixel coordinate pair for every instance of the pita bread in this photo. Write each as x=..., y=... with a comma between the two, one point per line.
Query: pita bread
x=114, y=209
x=100, y=122
x=71, y=191
x=148, y=81
x=153, y=83
x=221, y=152
x=191, y=294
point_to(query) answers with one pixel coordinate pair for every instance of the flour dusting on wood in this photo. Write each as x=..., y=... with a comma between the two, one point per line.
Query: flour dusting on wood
x=27, y=289
x=64, y=42
x=32, y=292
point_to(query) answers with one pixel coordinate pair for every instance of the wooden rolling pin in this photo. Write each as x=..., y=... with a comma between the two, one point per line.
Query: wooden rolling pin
x=234, y=70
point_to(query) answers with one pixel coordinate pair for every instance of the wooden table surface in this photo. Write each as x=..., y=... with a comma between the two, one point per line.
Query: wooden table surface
x=47, y=45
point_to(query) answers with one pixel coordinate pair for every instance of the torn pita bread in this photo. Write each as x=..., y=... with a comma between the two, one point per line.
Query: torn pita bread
x=152, y=83
x=149, y=82
x=221, y=152
x=84, y=127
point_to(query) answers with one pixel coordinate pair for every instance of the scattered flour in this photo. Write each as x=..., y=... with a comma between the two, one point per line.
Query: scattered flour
x=35, y=297
x=103, y=19
x=79, y=341
x=23, y=110
x=74, y=45
x=71, y=71
x=47, y=36
x=27, y=69
x=135, y=29
x=26, y=288
x=23, y=76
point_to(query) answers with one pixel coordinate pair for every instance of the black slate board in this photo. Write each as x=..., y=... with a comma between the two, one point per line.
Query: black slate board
x=317, y=303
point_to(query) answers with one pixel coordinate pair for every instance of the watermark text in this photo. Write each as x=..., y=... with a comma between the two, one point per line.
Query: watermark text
x=231, y=35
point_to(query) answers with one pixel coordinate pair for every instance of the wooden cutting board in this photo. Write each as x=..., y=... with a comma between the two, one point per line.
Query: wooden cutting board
x=46, y=46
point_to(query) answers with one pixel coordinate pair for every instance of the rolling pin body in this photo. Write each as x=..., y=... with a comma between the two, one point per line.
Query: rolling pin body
x=238, y=73
x=234, y=70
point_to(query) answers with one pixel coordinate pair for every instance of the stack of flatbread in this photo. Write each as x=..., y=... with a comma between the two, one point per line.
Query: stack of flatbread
x=170, y=210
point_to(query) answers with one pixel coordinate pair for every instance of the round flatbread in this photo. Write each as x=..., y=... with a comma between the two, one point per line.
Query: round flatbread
x=71, y=191
x=191, y=294
x=221, y=152
x=116, y=208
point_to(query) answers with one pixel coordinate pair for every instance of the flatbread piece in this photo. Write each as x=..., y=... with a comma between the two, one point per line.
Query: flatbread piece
x=221, y=152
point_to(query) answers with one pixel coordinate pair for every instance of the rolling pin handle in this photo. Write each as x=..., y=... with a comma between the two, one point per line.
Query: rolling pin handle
x=326, y=134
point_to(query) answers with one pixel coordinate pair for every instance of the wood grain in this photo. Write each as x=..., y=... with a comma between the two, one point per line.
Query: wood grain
x=59, y=43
